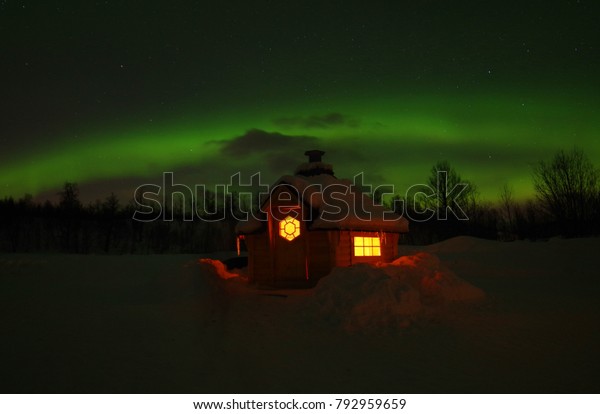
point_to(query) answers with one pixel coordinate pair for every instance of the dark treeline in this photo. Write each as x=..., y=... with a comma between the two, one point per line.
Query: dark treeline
x=567, y=204
x=107, y=227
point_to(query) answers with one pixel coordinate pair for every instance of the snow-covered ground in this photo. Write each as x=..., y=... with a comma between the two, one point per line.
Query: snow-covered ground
x=464, y=315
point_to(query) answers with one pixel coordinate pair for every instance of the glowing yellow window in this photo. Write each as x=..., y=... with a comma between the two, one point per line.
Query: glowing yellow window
x=289, y=228
x=367, y=246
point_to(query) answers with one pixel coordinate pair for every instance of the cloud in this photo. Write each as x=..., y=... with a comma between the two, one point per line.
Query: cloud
x=332, y=119
x=257, y=140
x=277, y=151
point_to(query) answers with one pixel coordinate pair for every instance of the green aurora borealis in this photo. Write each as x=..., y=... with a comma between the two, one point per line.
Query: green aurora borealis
x=390, y=115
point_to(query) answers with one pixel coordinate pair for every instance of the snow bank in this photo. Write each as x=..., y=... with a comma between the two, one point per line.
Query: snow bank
x=436, y=283
x=218, y=268
x=365, y=297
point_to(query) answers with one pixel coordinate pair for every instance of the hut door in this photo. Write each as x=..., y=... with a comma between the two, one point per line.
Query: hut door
x=289, y=253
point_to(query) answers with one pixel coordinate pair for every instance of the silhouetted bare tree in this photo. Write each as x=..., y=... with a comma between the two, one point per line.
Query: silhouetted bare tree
x=508, y=208
x=451, y=192
x=567, y=187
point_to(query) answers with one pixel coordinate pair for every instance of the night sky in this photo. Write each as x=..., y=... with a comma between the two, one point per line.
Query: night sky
x=111, y=94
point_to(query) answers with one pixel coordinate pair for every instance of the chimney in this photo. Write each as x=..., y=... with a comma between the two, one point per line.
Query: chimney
x=314, y=166
x=314, y=155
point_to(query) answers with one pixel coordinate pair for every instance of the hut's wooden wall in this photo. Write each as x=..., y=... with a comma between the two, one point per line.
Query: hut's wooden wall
x=275, y=261
x=315, y=251
x=259, y=258
x=389, y=249
x=342, y=245
x=321, y=255
x=288, y=257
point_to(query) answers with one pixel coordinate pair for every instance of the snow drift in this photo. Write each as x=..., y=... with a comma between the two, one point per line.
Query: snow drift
x=167, y=324
x=367, y=297
x=218, y=268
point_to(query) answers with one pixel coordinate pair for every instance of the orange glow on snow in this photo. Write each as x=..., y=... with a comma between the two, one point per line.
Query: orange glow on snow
x=289, y=228
x=367, y=246
x=411, y=261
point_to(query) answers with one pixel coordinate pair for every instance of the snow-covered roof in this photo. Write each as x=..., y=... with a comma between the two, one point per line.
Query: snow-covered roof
x=335, y=204
x=311, y=168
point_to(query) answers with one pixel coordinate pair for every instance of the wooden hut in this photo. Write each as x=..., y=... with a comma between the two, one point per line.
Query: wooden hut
x=311, y=222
